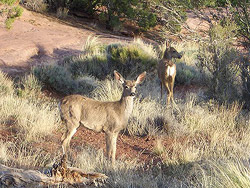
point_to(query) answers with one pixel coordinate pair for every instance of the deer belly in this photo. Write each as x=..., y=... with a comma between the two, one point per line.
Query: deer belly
x=92, y=126
x=170, y=71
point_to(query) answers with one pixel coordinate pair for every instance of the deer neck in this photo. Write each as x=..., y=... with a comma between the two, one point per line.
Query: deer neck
x=127, y=103
x=168, y=62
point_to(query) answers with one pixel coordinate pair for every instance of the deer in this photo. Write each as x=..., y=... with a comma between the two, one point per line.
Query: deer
x=167, y=71
x=108, y=117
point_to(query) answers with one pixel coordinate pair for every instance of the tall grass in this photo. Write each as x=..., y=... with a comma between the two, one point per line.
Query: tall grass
x=32, y=120
x=23, y=155
x=6, y=84
x=222, y=174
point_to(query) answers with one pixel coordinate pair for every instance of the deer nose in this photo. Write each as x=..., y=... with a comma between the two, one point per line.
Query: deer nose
x=181, y=54
x=132, y=94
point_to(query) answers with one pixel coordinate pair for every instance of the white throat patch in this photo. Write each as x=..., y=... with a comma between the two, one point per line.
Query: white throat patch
x=170, y=71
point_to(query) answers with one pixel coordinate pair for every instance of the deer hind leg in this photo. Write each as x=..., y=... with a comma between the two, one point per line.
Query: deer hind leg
x=71, y=130
x=111, y=139
x=167, y=86
x=172, y=90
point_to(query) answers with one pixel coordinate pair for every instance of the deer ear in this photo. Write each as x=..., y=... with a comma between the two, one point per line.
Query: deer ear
x=119, y=77
x=140, y=78
x=167, y=44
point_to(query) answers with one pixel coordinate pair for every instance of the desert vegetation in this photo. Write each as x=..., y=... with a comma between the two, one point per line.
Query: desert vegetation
x=9, y=10
x=202, y=141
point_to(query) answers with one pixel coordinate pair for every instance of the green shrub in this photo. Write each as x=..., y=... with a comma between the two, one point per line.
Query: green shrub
x=8, y=2
x=245, y=77
x=58, y=78
x=92, y=65
x=130, y=59
x=12, y=13
x=9, y=22
x=219, y=60
x=240, y=12
x=186, y=75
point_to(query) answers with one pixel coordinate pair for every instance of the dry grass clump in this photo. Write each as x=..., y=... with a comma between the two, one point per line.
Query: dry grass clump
x=36, y=5
x=23, y=155
x=234, y=173
x=33, y=120
x=3, y=152
x=6, y=84
x=92, y=46
x=146, y=47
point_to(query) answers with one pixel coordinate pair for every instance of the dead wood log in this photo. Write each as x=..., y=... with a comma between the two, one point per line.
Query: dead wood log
x=60, y=175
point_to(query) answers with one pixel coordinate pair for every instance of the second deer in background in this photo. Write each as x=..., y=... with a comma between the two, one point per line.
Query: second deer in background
x=167, y=71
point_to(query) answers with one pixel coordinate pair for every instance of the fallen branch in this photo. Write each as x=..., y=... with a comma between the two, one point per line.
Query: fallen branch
x=60, y=175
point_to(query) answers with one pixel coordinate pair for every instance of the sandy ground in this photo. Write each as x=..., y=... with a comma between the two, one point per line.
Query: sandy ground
x=36, y=38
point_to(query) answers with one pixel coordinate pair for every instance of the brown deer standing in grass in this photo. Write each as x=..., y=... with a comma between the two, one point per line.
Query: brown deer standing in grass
x=167, y=71
x=110, y=117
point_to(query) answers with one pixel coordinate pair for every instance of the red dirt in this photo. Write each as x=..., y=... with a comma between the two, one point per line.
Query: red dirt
x=36, y=38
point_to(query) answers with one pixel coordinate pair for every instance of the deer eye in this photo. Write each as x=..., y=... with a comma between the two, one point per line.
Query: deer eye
x=126, y=87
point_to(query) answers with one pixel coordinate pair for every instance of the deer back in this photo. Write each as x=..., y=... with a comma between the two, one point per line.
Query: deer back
x=92, y=114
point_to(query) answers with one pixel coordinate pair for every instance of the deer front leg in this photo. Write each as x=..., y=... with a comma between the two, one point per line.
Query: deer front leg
x=111, y=139
x=161, y=89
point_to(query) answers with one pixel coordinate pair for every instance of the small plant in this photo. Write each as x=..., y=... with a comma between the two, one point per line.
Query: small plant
x=240, y=12
x=8, y=2
x=29, y=87
x=92, y=46
x=37, y=5
x=62, y=12
x=12, y=14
